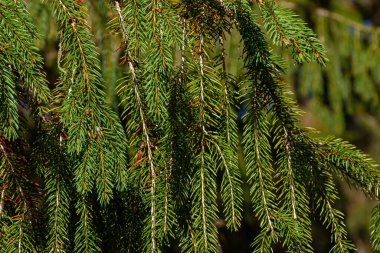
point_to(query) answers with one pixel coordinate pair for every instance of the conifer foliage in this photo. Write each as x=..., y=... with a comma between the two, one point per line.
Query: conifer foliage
x=158, y=166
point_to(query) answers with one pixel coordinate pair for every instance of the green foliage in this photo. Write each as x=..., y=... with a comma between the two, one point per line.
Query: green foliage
x=351, y=80
x=287, y=29
x=57, y=174
x=19, y=55
x=375, y=234
x=150, y=161
x=15, y=202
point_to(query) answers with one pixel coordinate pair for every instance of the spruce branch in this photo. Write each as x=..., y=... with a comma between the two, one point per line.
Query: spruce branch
x=333, y=219
x=323, y=192
x=89, y=120
x=231, y=176
x=259, y=169
x=286, y=28
x=19, y=58
x=142, y=116
x=205, y=90
x=375, y=228
x=14, y=184
x=356, y=167
x=8, y=104
x=264, y=86
x=55, y=167
x=86, y=239
x=175, y=118
x=291, y=189
x=18, y=36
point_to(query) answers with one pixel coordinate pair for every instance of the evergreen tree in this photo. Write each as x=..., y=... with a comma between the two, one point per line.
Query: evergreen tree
x=90, y=166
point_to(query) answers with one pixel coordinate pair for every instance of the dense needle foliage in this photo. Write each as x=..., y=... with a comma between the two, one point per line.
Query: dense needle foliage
x=150, y=161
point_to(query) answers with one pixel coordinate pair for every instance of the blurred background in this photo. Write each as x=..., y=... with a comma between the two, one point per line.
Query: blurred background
x=342, y=98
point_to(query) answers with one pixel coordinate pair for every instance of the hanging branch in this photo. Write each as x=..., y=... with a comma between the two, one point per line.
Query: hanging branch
x=95, y=134
x=15, y=188
x=178, y=108
x=55, y=166
x=19, y=57
x=286, y=28
x=88, y=119
x=227, y=150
